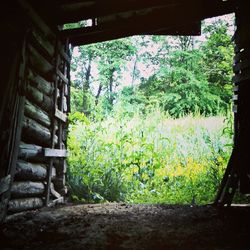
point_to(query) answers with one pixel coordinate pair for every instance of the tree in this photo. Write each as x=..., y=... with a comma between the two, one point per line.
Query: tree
x=217, y=57
x=112, y=61
x=82, y=65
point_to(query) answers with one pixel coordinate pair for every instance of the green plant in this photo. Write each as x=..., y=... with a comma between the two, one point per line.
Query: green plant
x=147, y=158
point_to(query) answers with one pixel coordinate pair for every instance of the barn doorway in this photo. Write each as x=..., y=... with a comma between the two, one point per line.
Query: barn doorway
x=152, y=118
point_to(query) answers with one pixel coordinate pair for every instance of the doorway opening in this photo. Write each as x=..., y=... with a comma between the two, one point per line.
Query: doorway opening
x=151, y=118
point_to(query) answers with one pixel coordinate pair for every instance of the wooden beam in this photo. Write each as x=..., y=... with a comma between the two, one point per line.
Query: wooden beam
x=193, y=29
x=59, y=153
x=76, y=11
x=60, y=115
x=113, y=8
x=164, y=18
x=83, y=36
x=62, y=76
x=59, y=200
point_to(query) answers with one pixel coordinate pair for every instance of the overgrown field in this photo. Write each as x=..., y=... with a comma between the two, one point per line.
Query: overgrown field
x=148, y=158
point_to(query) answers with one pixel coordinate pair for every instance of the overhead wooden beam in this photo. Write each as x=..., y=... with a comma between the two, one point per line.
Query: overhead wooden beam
x=110, y=34
x=190, y=29
x=180, y=14
x=74, y=11
x=167, y=19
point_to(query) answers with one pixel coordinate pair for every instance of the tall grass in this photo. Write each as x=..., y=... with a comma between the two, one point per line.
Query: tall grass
x=148, y=158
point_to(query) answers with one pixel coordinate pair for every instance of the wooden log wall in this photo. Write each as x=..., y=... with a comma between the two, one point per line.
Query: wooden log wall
x=241, y=82
x=237, y=174
x=37, y=177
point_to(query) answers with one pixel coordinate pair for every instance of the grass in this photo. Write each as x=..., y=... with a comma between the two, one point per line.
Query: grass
x=147, y=159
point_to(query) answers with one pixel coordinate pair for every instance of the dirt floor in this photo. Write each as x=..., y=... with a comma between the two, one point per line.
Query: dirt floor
x=121, y=226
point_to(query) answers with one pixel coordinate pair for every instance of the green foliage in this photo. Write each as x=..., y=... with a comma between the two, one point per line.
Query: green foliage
x=147, y=158
x=187, y=75
x=138, y=141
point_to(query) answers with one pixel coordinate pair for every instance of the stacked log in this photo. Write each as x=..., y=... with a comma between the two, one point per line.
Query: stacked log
x=35, y=132
x=33, y=111
x=27, y=189
x=40, y=124
x=18, y=205
x=31, y=152
x=39, y=98
x=32, y=171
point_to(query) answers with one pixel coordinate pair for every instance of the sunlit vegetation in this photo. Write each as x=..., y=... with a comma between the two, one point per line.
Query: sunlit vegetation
x=164, y=136
x=148, y=158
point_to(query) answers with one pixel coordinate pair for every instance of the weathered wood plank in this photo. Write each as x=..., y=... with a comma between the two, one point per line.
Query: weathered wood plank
x=60, y=153
x=114, y=27
x=35, y=113
x=60, y=115
x=62, y=76
x=235, y=97
x=53, y=191
x=27, y=189
x=76, y=11
x=59, y=200
x=65, y=56
x=18, y=205
x=5, y=184
x=79, y=10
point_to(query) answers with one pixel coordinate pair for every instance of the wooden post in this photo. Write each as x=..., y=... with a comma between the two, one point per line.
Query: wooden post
x=53, y=132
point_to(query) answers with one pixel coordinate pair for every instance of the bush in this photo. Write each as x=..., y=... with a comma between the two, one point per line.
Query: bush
x=147, y=158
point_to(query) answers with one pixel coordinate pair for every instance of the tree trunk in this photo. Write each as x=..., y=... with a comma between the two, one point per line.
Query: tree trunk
x=111, y=82
x=86, y=84
x=98, y=94
x=134, y=71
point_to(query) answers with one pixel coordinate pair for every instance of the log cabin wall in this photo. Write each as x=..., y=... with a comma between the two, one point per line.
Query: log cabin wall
x=241, y=82
x=33, y=115
x=237, y=175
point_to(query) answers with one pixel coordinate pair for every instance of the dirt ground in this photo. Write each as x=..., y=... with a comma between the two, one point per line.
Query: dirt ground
x=121, y=226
